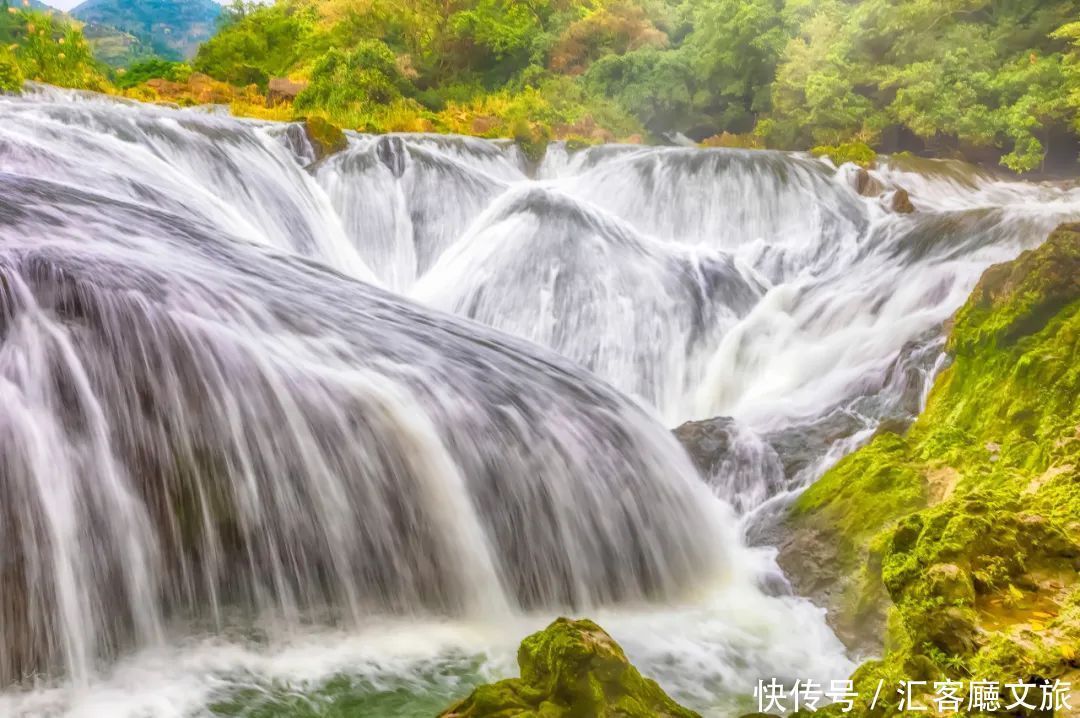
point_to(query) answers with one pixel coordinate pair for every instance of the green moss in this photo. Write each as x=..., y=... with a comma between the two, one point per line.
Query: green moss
x=571, y=669
x=858, y=152
x=971, y=521
x=533, y=139
x=862, y=493
x=326, y=138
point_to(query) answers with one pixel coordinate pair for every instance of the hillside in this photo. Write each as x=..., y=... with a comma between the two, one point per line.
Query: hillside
x=984, y=80
x=169, y=28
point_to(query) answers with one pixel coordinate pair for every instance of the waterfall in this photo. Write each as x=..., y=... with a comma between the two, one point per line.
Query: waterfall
x=410, y=391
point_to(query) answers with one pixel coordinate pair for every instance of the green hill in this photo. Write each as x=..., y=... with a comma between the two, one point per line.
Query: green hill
x=173, y=29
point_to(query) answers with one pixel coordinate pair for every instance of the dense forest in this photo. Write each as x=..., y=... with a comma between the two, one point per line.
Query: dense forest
x=986, y=79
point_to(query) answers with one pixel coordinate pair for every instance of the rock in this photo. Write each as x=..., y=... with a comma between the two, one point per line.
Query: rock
x=900, y=202
x=951, y=583
x=1018, y=298
x=707, y=442
x=952, y=630
x=392, y=152
x=326, y=138
x=740, y=465
x=865, y=183
x=282, y=90
x=570, y=669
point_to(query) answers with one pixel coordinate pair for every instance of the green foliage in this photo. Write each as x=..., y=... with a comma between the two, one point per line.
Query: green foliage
x=858, y=152
x=657, y=87
x=958, y=74
x=734, y=50
x=46, y=48
x=11, y=78
x=342, y=81
x=1070, y=33
x=502, y=28
x=987, y=78
x=256, y=44
x=152, y=68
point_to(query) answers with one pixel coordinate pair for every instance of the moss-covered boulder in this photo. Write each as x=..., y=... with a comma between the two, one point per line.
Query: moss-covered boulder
x=966, y=528
x=326, y=138
x=571, y=669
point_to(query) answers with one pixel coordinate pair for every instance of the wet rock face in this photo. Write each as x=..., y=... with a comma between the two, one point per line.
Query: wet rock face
x=740, y=465
x=866, y=184
x=707, y=442
x=570, y=669
x=900, y=202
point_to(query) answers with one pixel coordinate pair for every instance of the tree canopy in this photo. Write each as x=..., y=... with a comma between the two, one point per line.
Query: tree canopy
x=995, y=80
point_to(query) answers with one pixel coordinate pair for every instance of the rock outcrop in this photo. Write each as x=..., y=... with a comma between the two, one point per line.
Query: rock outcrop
x=325, y=138
x=966, y=528
x=571, y=669
x=282, y=90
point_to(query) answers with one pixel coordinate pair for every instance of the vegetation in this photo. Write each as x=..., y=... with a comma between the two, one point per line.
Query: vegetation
x=42, y=47
x=969, y=525
x=981, y=77
x=571, y=668
x=984, y=79
x=114, y=47
x=153, y=68
x=171, y=29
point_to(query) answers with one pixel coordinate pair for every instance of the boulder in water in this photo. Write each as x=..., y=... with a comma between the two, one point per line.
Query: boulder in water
x=708, y=442
x=900, y=202
x=865, y=183
x=571, y=668
x=326, y=138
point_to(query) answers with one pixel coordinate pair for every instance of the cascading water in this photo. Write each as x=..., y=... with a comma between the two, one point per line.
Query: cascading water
x=235, y=467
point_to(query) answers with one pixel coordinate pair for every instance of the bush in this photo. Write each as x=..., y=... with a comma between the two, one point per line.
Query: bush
x=367, y=75
x=11, y=78
x=858, y=152
x=150, y=69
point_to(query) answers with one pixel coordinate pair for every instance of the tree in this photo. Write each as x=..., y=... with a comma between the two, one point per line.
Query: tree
x=735, y=47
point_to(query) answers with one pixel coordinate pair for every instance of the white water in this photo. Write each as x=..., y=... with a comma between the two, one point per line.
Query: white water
x=221, y=436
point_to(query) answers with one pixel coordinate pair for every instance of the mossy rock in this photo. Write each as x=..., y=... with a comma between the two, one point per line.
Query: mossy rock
x=571, y=669
x=533, y=140
x=967, y=525
x=1018, y=298
x=326, y=138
